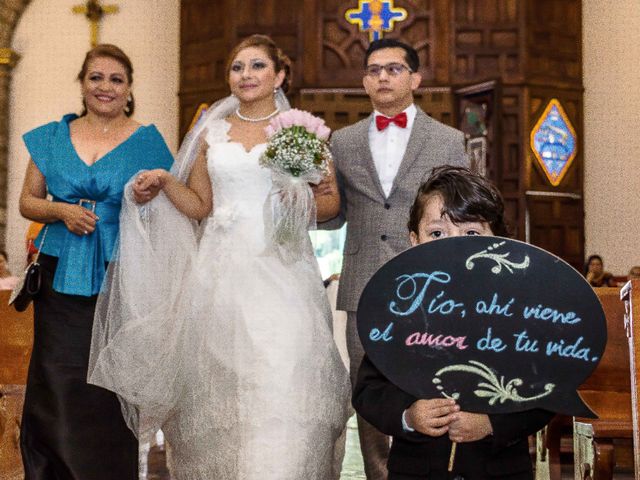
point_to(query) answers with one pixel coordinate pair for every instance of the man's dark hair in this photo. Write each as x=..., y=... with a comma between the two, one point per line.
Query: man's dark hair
x=410, y=55
x=466, y=197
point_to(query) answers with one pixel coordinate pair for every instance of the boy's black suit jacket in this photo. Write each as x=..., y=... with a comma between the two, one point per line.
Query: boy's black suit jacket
x=504, y=454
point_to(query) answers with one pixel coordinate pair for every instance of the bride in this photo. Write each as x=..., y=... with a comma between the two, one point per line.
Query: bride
x=227, y=348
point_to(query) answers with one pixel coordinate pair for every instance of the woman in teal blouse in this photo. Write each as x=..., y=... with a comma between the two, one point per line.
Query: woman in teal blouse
x=74, y=183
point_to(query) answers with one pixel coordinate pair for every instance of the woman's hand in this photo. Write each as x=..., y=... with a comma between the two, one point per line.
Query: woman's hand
x=327, y=196
x=78, y=219
x=325, y=187
x=148, y=185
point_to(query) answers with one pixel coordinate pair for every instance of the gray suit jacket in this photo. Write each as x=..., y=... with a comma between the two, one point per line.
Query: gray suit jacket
x=377, y=226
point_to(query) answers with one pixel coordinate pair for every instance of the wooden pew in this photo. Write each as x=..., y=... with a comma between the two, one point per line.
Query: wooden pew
x=607, y=392
x=619, y=280
x=630, y=295
x=601, y=445
x=16, y=339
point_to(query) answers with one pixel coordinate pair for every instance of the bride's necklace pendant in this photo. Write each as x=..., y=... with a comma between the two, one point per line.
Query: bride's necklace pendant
x=260, y=119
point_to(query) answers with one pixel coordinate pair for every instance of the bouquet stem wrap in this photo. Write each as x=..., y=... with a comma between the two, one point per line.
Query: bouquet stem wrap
x=291, y=213
x=298, y=155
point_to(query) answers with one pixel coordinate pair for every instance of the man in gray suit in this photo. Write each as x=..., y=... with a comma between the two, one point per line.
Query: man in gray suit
x=380, y=163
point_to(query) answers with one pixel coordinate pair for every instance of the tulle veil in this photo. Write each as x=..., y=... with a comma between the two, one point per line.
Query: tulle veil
x=138, y=341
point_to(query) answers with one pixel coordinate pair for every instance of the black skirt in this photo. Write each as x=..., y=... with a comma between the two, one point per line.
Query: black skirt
x=70, y=430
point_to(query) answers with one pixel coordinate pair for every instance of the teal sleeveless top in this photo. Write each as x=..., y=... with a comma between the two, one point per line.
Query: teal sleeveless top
x=82, y=258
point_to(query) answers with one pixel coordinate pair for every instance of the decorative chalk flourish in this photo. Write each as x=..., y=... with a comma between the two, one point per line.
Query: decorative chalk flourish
x=494, y=390
x=499, y=258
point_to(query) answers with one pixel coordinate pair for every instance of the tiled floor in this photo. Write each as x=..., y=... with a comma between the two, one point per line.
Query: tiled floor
x=352, y=466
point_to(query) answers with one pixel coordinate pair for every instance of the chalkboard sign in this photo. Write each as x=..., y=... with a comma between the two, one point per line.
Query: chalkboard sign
x=499, y=325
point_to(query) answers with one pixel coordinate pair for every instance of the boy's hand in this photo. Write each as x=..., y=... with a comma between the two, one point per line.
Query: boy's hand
x=432, y=417
x=469, y=427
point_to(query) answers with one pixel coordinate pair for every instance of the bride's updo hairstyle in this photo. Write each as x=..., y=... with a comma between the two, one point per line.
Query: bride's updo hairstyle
x=277, y=56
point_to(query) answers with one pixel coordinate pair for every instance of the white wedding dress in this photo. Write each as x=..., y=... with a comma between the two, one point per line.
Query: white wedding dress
x=260, y=389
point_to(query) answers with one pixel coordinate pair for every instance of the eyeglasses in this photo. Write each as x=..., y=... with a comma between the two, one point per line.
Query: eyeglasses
x=392, y=69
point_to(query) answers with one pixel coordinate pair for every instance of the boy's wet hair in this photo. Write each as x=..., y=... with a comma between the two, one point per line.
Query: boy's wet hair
x=466, y=197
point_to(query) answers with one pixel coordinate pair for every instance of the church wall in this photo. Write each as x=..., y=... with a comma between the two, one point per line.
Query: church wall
x=611, y=56
x=52, y=42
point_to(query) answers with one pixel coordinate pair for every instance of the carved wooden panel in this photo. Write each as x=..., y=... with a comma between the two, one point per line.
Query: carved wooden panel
x=554, y=41
x=486, y=40
x=341, y=107
x=337, y=48
x=556, y=224
x=338, y=107
x=437, y=102
x=201, y=46
x=511, y=171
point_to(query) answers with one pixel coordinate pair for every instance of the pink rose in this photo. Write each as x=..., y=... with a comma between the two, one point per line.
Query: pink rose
x=270, y=130
x=286, y=119
x=297, y=117
x=276, y=123
x=323, y=132
x=312, y=122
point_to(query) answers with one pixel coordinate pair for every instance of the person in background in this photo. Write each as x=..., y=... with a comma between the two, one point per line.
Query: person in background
x=452, y=202
x=595, y=274
x=634, y=273
x=7, y=280
x=72, y=430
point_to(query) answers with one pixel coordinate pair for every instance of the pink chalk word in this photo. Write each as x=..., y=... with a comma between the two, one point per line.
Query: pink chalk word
x=432, y=340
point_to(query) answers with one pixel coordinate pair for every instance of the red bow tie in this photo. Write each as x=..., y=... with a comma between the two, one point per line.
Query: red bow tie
x=383, y=122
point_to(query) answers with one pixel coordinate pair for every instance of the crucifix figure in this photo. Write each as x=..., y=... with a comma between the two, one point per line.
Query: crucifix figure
x=94, y=13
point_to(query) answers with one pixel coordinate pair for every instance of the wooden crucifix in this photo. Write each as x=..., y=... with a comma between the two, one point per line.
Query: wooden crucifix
x=94, y=12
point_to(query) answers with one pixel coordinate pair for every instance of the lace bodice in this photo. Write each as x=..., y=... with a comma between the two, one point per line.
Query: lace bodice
x=240, y=185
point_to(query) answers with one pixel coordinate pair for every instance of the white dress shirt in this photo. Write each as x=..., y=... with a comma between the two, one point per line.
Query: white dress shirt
x=388, y=147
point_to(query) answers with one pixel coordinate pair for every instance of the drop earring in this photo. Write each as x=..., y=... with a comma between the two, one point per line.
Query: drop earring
x=127, y=107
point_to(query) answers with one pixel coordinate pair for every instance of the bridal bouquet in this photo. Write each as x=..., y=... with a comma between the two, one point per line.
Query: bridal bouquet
x=297, y=154
x=297, y=144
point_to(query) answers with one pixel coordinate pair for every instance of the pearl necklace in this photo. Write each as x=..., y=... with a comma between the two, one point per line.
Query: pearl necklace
x=260, y=119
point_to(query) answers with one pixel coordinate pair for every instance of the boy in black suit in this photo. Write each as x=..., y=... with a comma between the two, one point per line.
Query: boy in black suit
x=452, y=202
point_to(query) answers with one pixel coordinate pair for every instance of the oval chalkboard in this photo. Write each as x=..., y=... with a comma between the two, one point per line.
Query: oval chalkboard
x=499, y=325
